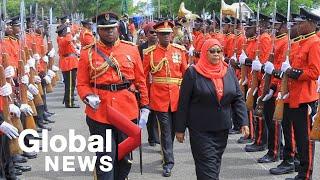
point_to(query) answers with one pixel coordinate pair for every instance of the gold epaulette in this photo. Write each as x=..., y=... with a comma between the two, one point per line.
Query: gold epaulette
x=6, y=37
x=179, y=46
x=128, y=42
x=149, y=49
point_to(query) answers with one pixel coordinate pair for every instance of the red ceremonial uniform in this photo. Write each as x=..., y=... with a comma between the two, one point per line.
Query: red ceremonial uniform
x=11, y=46
x=165, y=63
x=303, y=90
x=229, y=46
x=127, y=56
x=68, y=57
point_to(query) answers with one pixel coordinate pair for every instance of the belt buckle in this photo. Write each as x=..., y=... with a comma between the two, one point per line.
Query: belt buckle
x=113, y=87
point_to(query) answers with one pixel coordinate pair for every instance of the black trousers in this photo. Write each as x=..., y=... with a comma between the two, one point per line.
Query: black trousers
x=302, y=124
x=207, y=150
x=274, y=128
x=6, y=164
x=152, y=127
x=69, y=79
x=165, y=120
x=289, y=148
x=121, y=168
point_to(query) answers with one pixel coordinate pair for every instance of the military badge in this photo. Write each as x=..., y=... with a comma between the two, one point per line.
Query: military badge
x=176, y=57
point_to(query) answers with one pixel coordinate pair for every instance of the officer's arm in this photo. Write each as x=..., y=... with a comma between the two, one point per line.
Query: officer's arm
x=83, y=79
x=312, y=70
x=140, y=80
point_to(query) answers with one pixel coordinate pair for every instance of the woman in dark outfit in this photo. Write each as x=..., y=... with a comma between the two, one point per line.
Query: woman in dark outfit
x=209, y=93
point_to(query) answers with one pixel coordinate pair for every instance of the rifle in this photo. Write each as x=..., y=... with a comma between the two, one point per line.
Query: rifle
x=29, y=122
x=13, y=143
x=50, y=47
x=267, y=77
x=36, y=98
x=254, y=83
x=243, y=68
x=278, y=113
x=49, y=88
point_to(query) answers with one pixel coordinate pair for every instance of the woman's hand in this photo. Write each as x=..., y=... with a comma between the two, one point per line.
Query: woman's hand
x=180, y=137
x=245, y=131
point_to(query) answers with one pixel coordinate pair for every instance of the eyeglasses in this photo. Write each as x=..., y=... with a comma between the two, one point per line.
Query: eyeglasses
x=215, y=50
x=152, y=32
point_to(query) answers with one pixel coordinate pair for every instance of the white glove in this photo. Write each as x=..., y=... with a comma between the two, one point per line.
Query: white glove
x=285, y=65
x=52, y=53
x=256, y=65
x=25, y=79
x=33, y=89
x=318, y=82
x=74, y=38
x=37, y=79
x=234, y=57
x=6, y=90
x=268, y=67
x=30, y=96
x=9, y=72
x=242, y=58
x=68, y=30
x=55, y=68
x=93, y=101
x=254, y=91
x=51, y=74
x=45, y=59
x=285, y=96
x=269, y=95
x=279, y=96
x=26, y=68
x=245, y=81
x=26, y=109
x=78, y=51
x=144, y=114
x=314, y=118
x=14, y=110
x=36, y=57
x=9, y=130
x=191, y=50
x=47, y=79
x=32, y=63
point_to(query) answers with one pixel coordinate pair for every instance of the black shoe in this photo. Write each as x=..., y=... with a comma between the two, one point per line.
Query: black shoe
x=234, y=131
x=17, y=172
x=152, y=144
x=30, y=155
x=22, y=168
x=42, y=126
x=19, y=159
x=166, y=172
x=295, y=178
x=73, y=106
x=267, y=159
x=255, y=148
x=49, y=114
x=12, y=178
x=48, y=120
x=284, y=167
x=243, y=140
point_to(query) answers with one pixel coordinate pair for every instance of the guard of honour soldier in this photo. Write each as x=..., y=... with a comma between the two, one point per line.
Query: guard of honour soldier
x=109, y=72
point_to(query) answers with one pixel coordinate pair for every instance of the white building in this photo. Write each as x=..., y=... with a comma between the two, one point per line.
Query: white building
x=246, y=11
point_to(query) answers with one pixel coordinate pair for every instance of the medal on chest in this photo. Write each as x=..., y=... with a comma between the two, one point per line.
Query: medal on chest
x=176, y=57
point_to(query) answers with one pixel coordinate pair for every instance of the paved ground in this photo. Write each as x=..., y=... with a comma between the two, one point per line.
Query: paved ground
x=236, y=163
